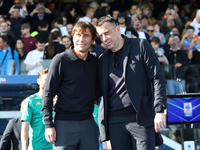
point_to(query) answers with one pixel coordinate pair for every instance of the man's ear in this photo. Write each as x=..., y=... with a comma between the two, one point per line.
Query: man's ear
x=118, y=28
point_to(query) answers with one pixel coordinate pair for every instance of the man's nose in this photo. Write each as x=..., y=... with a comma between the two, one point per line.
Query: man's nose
x=104, y=38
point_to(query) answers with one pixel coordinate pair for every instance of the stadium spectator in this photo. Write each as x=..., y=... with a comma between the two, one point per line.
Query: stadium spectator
x=52, y=7
x=53, y=47
x=121, y=20
x=98, y=13
x=70, y=14
x=144, y=22
x=29, y=42
x=19, y=47
x=58, y=22
x=186, y=40
x=22, y=9
x=64, y=20
x=147, y=12
x=88, y=16
x=16, y=22
x=34, y=58
x=170, y=20
x=9, y=60
x=138, y=27
x=150, y=31
x=178, y=62
x=196, y=22
x=94, y=21
x=9, y=34
x=66, y=41
x=158, y=34
x=133, y=10
x=40, y=13
x=115, y=14
x=32, y=119
x=43, y=30
x=70, y=27
x=9, y=23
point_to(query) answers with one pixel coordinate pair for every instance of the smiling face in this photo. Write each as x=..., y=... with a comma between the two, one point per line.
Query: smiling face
x=109, y=35
x=66, y=42
x=82, y=40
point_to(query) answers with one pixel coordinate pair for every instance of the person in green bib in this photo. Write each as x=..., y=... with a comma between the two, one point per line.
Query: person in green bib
x=33, y=128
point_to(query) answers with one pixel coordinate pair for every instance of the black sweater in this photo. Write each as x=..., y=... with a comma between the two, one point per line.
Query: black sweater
x=74, y=81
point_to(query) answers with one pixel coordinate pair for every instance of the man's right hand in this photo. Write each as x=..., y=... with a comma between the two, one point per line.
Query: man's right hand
x=50, y=135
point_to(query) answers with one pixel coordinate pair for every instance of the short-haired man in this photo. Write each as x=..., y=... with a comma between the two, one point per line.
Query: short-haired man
x=88, y=16
x=150, y=31
x=186, y=40
x=9, y=60
x=33, y=128
x=72, y=76
x=29, y=42
x=34, y=58
x=127, y=72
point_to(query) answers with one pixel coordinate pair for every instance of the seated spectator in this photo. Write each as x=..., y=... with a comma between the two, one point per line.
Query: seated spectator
x=121, y=20
x=98, y=13
x=196, y=23
x=29, y=42
x=22, y=9
x=150, y=31
x=178, y=62
x=9, y=60
x=133, y=10
x=136, y=24
x=146, y=12
x=94, y=21
x=115, y=14
x=186, y=41
x=9, y=23
x=70, y=27
x=53, y=47
x=52, y=7
x=64, y=20
x=4, y=31
x=155, y=43
x=43, y=30
x=88, y=16
x=16, y=21
x=58, y=22
x=34, y=58
x=19, y=47
x=170, y=20
x=194, y=54
x=158, y=34
x=144, y=22
x=66, y=41
x=174, y=30
x=38, y=14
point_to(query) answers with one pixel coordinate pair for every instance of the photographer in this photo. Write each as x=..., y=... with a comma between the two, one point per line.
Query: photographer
x=170, y=20
x=38, y=14
x=21, y=7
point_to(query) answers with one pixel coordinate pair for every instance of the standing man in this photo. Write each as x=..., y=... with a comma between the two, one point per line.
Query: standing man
x=32, y=119
x=72, y=76
x=133, y=86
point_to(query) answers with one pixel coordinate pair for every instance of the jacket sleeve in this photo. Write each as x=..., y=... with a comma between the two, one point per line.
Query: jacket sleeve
x=155, y=74
x=6, y=135
x=50, y=90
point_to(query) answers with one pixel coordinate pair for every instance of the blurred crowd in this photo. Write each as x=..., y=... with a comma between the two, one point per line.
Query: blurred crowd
x=34, y=31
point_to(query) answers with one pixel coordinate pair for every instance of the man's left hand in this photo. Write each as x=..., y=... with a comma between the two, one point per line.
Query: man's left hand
x=159, y=122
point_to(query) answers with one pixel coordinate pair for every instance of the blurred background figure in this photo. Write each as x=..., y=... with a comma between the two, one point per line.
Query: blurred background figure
x=66, y=41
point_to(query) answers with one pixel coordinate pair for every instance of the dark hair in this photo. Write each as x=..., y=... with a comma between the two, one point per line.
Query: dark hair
x=66, y=37
x=190, y=27
x=105, y=19
x=53, y=35
x=156, y=23
x=82, y=26
x=59, y=20
x=177, y=35
x=16, y=46
x=155, y=39
x=43, y=23
x=4, y=38
x=40, y=40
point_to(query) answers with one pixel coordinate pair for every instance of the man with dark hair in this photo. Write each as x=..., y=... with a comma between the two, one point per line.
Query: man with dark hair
x=34, y=58
x=43, y=30
x=121, y=20
x=9, y=60
x=115, y=14
x=72, y=76
x=29, y=42
x=133, y=86
x=58, y=22
x=186, y=40
x=32, y=129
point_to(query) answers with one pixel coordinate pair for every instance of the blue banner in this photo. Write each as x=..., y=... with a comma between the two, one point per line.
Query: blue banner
x=18, y=79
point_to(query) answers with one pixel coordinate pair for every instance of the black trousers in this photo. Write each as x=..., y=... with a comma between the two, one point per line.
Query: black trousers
x=131, y=136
